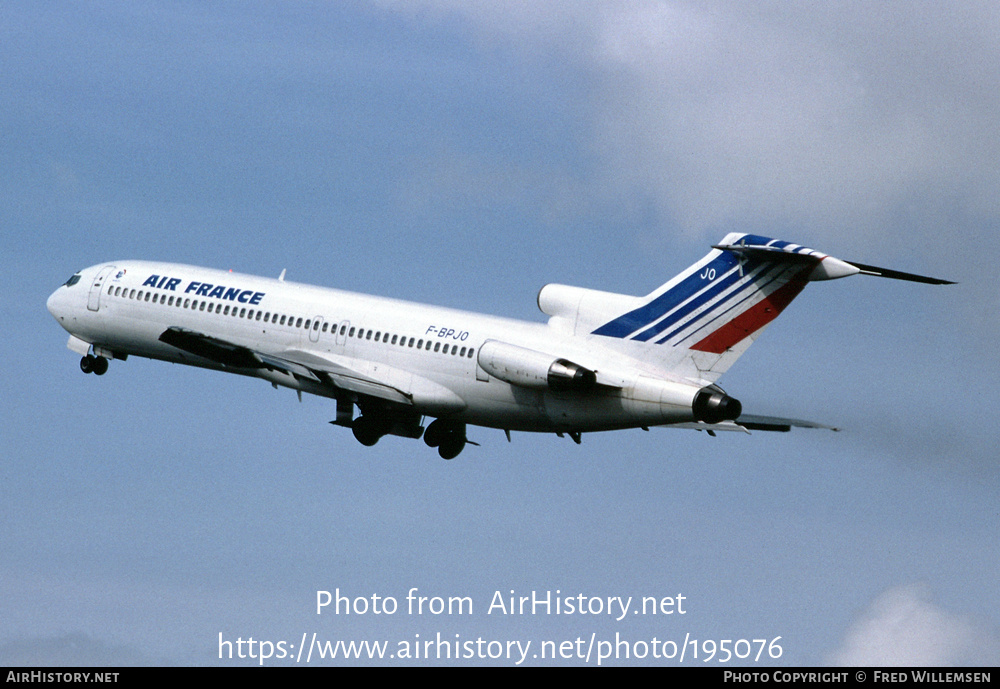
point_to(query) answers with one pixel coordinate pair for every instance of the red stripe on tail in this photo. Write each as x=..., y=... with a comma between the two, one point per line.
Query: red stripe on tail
x=753, y=319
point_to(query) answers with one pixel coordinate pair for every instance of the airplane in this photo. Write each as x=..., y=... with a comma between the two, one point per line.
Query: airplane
x=603, y=361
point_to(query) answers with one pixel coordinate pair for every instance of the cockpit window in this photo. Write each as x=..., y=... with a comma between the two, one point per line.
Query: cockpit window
x=73, y=280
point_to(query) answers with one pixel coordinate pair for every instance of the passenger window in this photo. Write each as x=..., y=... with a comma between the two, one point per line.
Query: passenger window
x=282, y=320
x=368, y=335
x=351, y=334
x=298, y=323
x=471, y=350
x=201, y=306
x=307, y=325
x=462, y=353
x=132, y=295
x=394, y=337
x=243, y=313
x=420, y=344
x=325, y=326
x=437, y=346
x=411, y=343
x=343, y=329
x=258, y=315
x=187, y=303
x=250, y=314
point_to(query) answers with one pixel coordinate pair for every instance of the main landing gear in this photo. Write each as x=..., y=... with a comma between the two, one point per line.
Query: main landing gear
x=448, y=438
x=94, y=364
x=368, y=430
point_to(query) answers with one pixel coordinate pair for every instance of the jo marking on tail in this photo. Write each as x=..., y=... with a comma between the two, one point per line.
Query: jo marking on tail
x=603, y=361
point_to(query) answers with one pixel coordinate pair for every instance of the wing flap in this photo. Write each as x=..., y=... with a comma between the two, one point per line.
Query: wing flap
x=368, y=378
x=351, y=376
x=380, y=380
x=211, y=348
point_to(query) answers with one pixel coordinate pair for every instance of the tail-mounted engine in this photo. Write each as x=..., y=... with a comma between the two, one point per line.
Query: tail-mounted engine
x=530, y=369
x=712, y=406
x=658, y=401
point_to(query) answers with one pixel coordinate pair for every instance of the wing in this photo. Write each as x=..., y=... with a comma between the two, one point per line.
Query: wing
x=363, y=377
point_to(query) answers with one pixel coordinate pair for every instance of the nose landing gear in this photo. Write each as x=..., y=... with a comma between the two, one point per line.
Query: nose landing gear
x=97, y=365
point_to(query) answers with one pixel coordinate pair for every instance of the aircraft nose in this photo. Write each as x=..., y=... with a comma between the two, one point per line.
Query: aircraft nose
x=58, y=304
x=53, y=304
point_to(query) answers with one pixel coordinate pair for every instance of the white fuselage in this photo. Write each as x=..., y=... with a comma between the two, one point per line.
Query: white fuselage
x=429, y=353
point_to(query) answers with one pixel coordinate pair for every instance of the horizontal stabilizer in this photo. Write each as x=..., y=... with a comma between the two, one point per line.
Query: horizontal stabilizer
x=897, y=275
x=827, y=266
x=772, y=253
x=776, y=423
x=752, y=422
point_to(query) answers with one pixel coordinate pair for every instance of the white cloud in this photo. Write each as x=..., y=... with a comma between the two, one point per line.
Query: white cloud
x=903, y=627
x=837, y=117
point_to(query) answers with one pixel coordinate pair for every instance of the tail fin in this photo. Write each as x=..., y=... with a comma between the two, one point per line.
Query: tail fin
x=706, y=317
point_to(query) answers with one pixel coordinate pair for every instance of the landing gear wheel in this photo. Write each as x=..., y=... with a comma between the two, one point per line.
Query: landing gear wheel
x=452, y=445
x=435, y=433
x=100, y=366
x=87, y=364
x=367, y=431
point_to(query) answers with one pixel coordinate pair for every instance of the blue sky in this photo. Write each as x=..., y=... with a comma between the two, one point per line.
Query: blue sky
x=465, y=154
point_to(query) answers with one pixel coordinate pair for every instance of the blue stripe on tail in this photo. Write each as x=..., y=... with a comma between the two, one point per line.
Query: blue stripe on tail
x=687, y=296
x=646, y=314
